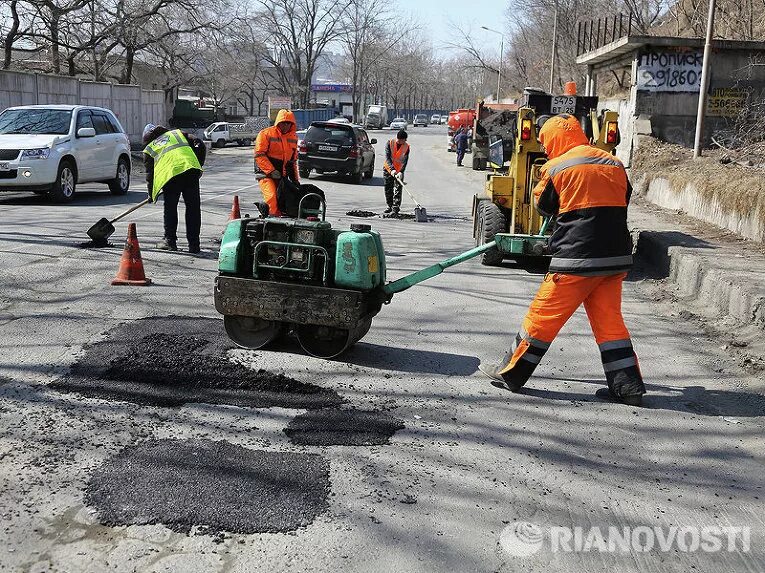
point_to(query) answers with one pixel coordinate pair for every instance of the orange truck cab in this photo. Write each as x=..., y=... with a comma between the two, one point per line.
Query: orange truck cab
x=459, y=118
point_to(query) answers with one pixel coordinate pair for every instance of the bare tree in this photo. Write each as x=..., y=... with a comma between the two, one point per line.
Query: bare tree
x=297, y=32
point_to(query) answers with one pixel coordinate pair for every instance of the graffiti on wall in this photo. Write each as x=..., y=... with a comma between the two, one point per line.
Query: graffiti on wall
x=726, y=102
x=670, y=71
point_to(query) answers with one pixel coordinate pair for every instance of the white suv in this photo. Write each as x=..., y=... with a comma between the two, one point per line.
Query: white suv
x=52, y=148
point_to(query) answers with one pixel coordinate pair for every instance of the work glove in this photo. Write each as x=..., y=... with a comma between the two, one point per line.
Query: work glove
x=275, y=175
x=392, y=172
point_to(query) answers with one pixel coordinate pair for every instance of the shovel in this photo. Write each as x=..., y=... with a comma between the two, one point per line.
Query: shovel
x=104, y=228
x=420, y=214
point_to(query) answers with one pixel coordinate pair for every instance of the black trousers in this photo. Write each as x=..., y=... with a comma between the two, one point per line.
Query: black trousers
x=186, y=185
x=392, y=191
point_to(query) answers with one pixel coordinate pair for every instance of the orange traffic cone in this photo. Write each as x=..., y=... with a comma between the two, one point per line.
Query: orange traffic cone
x=131, y=265
x=235, y=212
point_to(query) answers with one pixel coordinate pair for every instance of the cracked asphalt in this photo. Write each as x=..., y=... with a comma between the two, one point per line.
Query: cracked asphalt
x=440, y=494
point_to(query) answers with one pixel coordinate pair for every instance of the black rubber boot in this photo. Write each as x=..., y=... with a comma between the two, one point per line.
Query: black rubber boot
x=165, y=245
x=608, y=395
x=497, y=379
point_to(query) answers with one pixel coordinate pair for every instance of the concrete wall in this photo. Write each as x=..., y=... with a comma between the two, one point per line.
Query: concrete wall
x=133, y=106
x=673, y=114
x=662, y=192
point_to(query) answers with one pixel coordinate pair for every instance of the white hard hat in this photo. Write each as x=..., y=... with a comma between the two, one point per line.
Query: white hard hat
x=148, y=128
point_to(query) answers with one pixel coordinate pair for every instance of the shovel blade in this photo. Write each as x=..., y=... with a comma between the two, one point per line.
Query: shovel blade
x=102, y=230
x=420, y=215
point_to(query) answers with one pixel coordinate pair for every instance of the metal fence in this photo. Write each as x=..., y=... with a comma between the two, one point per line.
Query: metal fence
x=133, y=106
x=594, y=34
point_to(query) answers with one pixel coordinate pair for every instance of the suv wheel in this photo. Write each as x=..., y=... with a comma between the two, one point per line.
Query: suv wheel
x=369, y=174
x=119, y=185
x=357, y=177
x=304, y=173
x=66, y=182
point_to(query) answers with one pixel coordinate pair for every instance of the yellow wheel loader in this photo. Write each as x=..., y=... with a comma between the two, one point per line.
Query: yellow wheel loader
x=504, y=211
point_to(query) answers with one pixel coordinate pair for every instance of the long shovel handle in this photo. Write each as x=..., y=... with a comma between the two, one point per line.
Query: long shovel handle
x=403, y=184
x=133, y=208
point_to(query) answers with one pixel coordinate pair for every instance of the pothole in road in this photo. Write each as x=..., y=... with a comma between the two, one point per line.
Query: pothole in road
x=343, y=427
x=172, y=361
x=214, y=486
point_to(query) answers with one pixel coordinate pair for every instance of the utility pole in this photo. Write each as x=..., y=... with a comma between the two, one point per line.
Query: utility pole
x=554, y=49
x=501, y=53
x=704, y=88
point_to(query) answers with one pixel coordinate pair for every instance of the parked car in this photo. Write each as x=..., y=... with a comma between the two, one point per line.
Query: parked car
x=435, y=119
x=53, y=148
x=330, y=147
x=300, y=135
x=420, y=119
x=444, y=119
x=398, y=123
x=221, y=132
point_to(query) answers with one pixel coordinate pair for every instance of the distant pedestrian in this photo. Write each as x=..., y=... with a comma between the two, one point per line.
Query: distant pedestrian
x=173, y=162
x=461, y=139
x=396, y=159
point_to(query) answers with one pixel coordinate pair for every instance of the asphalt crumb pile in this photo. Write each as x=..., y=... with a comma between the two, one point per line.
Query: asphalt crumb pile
x=94, y=244
x=343, y=427
x=172, y=361
x=360, y=213
x=209, y=487
x=399, y=215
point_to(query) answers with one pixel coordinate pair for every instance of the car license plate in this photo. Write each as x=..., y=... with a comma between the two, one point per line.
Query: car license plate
x=563, y=104
x=331, y=148
x=5, y=166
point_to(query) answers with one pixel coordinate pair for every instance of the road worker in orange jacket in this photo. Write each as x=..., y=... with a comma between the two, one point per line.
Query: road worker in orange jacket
x=276, y=157
x=396, y=159
x=586, y=191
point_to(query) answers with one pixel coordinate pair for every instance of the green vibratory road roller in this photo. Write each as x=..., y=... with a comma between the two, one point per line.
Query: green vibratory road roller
x=279, y=275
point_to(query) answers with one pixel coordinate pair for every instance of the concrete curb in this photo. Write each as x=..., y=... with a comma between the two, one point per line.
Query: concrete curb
x=689, y=265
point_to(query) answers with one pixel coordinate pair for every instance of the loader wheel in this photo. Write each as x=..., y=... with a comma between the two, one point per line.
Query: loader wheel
x=250, y=332
x=490, y=222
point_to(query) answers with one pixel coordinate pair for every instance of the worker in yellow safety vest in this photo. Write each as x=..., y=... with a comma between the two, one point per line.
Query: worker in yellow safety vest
x=173, y=162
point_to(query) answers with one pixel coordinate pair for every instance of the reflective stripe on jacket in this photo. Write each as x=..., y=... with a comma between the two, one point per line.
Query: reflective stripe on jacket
x=587, y=191
x=274, y=150
x=172, y=155
x=396, y=156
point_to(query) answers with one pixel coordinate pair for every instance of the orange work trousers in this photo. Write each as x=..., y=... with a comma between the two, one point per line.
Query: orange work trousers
x=268, y=188
x=557, y=299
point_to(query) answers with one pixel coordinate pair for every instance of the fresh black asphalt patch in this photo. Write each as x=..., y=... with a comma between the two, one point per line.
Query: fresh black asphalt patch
x=211, y=486
x=171, y=361
x=342, y=427
x=361, y=213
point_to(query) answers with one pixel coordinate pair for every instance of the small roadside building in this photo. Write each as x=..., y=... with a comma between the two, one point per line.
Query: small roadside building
x=664, y=78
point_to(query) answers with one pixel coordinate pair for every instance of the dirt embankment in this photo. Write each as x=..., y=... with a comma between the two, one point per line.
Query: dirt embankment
x=734, y=179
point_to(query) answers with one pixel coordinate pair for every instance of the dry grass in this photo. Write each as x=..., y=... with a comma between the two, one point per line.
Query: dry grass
x=733, y=183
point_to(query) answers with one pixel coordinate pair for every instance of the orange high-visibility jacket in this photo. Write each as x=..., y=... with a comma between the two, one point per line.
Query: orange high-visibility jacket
x=587, y=191
x=277, y=151
x=396, y=156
